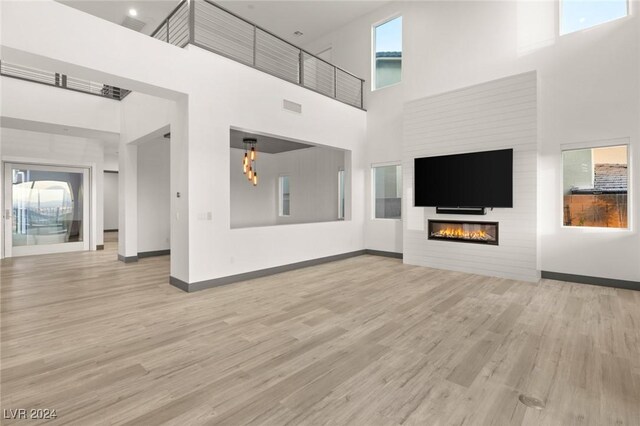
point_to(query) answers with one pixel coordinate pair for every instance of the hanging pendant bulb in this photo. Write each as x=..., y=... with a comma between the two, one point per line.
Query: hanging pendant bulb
x=248, y=162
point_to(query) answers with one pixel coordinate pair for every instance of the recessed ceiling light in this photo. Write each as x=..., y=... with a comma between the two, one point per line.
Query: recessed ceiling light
x=298, y=33
x=133, y=12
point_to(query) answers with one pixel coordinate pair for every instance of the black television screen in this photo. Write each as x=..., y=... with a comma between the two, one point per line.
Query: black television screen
x=477, y=179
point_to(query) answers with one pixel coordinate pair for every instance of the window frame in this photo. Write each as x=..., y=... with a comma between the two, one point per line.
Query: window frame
x=560, y=14
x=281, y=195
x=608, y=143
x=342, y=197
x=373, y=190
x=374, y=26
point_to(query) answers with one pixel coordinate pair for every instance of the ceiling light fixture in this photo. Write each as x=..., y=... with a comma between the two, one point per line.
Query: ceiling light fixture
x=133, y=12
x=249, y=160
x=298, y=33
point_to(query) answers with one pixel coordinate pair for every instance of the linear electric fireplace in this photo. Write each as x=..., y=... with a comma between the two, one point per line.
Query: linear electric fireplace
x=465, y=232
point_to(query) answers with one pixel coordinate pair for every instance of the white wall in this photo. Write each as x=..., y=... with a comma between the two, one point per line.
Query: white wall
x=144, y=119
x=43, y=148
x=589, y=83
x=110, y=201
x=495, y=115
x=244, y=98
x=211, y=94
x=153, y=196
x=313, y=183
x=55, y=122
x=253, y=205
x=24, y=102
x=313, y=177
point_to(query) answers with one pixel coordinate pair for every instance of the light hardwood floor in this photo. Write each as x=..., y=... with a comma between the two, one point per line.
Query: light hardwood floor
x=364, y=341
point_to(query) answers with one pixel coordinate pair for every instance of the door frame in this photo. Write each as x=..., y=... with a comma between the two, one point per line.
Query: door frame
x=89, y=204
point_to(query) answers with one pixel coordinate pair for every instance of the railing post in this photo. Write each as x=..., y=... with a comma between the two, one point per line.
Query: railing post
x=335, y=82
x=167, y=21
x=362, y=94
x=64, y=80
x=255, y=44
x=301, y=76
x=57, y=79
x=192, y=21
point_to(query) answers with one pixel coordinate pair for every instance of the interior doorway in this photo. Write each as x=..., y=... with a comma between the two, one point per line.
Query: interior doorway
x=46, y=209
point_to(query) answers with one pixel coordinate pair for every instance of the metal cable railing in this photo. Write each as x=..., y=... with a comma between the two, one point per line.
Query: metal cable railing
x=62, y=81
x=211, y=27
x=175, y=28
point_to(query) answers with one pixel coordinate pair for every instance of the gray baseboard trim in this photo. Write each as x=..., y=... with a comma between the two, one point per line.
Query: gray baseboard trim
x=179, y=283
x=127, y=259
x=217, y=282
x=584, y=279
x=110, y=230
x=99, y=246
x=384, y=253
x=154, y=253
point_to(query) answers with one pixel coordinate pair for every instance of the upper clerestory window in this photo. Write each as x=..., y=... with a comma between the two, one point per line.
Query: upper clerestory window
x=576, y=15
x=387, y=48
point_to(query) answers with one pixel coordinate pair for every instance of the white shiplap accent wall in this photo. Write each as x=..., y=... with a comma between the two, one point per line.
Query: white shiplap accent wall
x=495, y=115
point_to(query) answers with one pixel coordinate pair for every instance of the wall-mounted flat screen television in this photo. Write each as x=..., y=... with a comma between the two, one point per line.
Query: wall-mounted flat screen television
x=477, y=179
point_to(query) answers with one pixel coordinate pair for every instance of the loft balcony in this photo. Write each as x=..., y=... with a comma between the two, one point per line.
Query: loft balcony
x=62, y=81
x=213, y=28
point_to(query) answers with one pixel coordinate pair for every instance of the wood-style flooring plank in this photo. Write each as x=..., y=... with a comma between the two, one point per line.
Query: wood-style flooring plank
x=362, y=341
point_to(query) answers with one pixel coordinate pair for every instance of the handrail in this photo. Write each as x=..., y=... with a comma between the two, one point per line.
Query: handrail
x=62, y=81
x=214, y=30
x=165, y=20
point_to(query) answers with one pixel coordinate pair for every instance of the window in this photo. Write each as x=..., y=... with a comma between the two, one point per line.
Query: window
x=595, y=184
x=340, y=194
x=387, y=187
x=387, y=42
x=576, y=15
x=284, y=198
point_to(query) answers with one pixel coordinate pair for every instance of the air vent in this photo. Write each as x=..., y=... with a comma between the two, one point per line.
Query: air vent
x=292, y=106
x=133, y=23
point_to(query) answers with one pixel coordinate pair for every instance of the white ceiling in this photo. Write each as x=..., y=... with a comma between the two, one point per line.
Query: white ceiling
x=313, y=18
x=267, y=144
x=151, y=12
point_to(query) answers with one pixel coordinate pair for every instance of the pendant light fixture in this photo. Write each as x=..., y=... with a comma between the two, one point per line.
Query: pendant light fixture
x=249, y=160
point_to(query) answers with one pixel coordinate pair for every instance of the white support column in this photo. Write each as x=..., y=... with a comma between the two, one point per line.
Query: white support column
x=128, y=202
x=180, y=190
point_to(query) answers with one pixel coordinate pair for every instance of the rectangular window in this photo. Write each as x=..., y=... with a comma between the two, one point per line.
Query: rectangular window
x=340, y=194
x=284, y=198
x=595, y=185
x=576, y=15
x=387, y=42
x=387, y=192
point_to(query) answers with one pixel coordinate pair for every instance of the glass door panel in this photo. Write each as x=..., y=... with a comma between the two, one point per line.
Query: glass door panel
x=49, y=209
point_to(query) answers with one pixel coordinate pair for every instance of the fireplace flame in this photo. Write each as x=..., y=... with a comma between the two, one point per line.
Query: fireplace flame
x=460, y=233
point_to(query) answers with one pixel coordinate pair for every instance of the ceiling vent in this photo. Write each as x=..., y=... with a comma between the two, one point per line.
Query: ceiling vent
x=292, y=106
x=133, y=23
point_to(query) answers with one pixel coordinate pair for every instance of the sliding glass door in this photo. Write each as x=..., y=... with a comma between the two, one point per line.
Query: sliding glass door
x=46, y=209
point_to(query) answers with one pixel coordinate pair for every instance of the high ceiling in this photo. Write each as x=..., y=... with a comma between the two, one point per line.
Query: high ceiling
x=150, y=12
x=313, y=18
